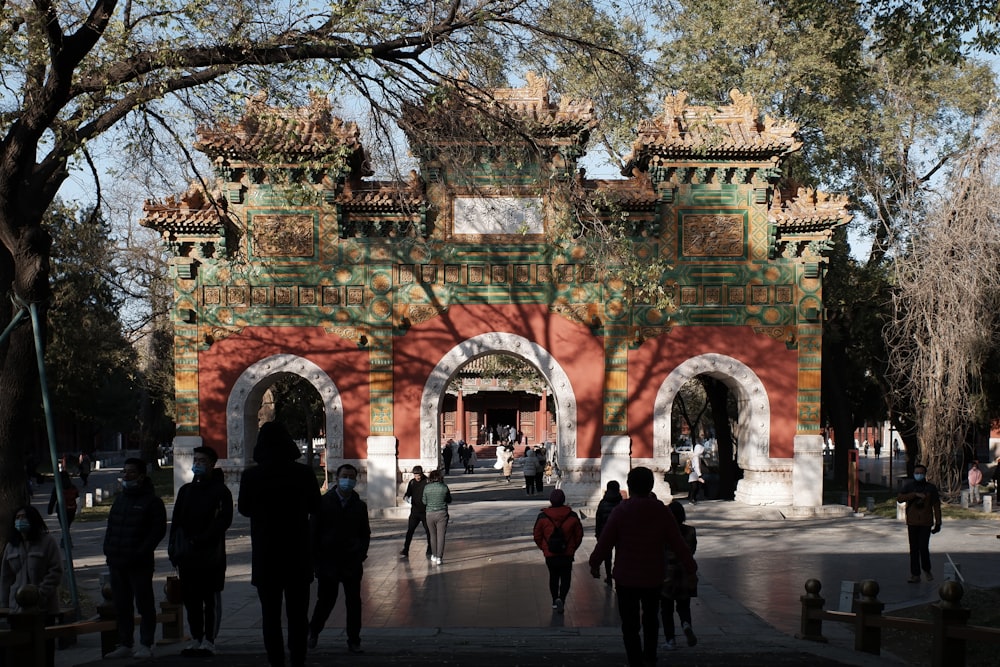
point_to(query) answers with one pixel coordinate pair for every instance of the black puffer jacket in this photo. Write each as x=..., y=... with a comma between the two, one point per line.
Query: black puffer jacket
x=341, y=535
x=136, y=525
x=203, y=513
x=612, y=498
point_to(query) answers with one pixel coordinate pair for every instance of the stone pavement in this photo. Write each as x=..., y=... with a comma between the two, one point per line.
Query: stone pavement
x=488, y=603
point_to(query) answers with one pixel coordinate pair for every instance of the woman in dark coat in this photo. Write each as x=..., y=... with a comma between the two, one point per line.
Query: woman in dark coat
x=279, y=495
x=203, y=512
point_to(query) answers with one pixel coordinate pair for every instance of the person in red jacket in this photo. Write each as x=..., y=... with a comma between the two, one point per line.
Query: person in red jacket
x=640, y=530
x=558, y=533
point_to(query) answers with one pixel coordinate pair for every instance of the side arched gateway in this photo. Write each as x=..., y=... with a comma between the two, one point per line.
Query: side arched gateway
x=766, y=480
x=491, y=343
x=248, y=392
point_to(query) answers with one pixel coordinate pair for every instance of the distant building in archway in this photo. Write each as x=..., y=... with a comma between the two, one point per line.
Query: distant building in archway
x=378, y=293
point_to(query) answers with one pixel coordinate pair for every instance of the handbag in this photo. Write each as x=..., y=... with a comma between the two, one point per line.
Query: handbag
x=180, y=547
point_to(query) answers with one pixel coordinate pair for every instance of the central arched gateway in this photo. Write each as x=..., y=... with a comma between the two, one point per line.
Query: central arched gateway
x=490, y=343
x=377, y=292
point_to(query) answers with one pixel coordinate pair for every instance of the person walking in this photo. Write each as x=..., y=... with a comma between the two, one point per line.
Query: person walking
x=612, y=498
x=640, y=530
x=70, y=496
x=530, y=467
x=558, y=533
x=695, y=479
x=506, y=454
x=540, y=465
x=923, y=518
x=137, y=523
x=418, y=512
x=83, y=465
x=279, y=495
x=447, y=454
x=975, y=479
x=203, y=512
x=470, y=460
x=437, y=496
x=31, y=558
x=678, y=590
x=341, y=535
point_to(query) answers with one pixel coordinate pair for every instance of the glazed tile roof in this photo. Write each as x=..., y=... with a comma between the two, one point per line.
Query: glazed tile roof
x=383, y=196
x=530, y=104
x=273, y=135
x=732, y=131
x=192, y=213
x=809, y=210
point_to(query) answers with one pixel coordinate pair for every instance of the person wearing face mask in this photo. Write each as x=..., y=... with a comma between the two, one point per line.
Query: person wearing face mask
x=31, y=558
x=923, y=518
x=203, y=512
x=137, y=523
x=341, y=534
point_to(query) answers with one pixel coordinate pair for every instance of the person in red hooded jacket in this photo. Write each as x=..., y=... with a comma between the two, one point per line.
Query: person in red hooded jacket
x=558, y=553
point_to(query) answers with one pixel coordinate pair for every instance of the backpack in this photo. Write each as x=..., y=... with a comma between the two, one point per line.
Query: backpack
x=557, y=542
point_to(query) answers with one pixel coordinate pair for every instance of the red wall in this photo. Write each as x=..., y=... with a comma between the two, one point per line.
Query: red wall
x=770, y=359
x=223, y=363
x=578, y=351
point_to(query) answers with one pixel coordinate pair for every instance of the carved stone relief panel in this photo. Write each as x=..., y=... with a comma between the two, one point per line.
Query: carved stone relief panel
x=712, y=234
x=282, y=235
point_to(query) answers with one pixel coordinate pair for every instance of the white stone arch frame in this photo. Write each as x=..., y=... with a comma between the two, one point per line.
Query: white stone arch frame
x=248, y=392
x=754, y=425
x=494, y=343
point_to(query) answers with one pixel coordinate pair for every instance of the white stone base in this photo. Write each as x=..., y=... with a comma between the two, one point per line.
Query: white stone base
x=765, y=488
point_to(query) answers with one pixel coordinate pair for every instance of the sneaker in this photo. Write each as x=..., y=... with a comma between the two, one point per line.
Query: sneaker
x=555, y=604
x=312, y=641
x=142, y=651
x=119, y=653
x=208, y=647
x=689, y=633
x=560, y=605
x=669, y=645
x=193, y=645
x=928, y=576
x=915, y=579
x=404, y=554
x=355, y=647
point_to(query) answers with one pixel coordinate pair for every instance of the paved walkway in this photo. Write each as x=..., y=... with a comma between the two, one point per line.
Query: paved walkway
x=489, y=605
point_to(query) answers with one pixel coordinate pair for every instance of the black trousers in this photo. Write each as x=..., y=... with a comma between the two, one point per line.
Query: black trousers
x=134, y=585
x=411, y=527
x=296, y=598
x=326, y=600
x=920, y=549
x=560, y=575
x=639, y=608
x=201, y=602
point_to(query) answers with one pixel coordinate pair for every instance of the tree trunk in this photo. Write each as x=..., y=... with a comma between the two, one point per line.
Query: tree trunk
x=718, y=397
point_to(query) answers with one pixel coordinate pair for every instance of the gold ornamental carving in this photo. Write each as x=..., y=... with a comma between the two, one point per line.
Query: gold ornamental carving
x=282, y=235
x=713, y=235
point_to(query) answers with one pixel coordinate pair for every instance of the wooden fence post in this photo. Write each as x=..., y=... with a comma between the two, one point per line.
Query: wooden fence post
x=811, y=627
x=106, y=612
x=30, y=623
x=868, y=637
x=948, y=651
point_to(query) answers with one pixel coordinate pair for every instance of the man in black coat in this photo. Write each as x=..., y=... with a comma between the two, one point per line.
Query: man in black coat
x=341, y=535
x=279, y=495
x=418, y=512
x=203, y=512
x=136, y=524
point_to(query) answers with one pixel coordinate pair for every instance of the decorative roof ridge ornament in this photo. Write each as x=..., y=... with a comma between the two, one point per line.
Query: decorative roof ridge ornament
x=808, y=205
x=735, y=132
x=274, y=135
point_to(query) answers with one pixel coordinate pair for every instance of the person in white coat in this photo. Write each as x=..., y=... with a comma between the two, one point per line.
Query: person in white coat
x=695, y=480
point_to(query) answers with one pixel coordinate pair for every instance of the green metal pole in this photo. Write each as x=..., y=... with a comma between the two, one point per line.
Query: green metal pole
x=13, y=323
x=50, y=427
